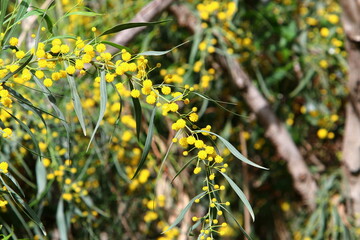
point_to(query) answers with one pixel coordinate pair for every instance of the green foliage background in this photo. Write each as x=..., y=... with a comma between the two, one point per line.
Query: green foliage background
x=294, y=53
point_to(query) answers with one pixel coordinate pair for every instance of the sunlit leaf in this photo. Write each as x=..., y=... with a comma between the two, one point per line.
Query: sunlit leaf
x=181, y=216
x=159, y=53
x=61, y=220
x=233, y=150
x=240, y=194
x=76, y=101
x=103, y=102
x=125, y=26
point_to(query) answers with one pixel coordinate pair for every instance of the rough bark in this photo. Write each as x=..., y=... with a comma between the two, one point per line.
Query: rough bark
x=276, y=131
x=351, y=147
x=146, y=14
x=304, y=182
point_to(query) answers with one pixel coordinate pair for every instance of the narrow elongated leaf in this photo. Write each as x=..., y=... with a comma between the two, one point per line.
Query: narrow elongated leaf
x=40, y=178
x=218, y=104
x=147, y=143
x=60, y=220
x=159, y=53
x=182, y=169
x=89, y=202
x=103, y=102
x=263, y=85
x=237, y=223
x=240, y=194
x=27, y=129
x=303, y=83
x=42, y=13
x=193, y=227
x=40, y=174
x=233, y=150
x=120, y=47
x=4, y=5
x=83, y=13
x=9, y=75
x=137, y=112
x=13, y=180
x=125, y=26
x=26, y=104
x=76, y=101
x=52, y=101
x=24, y=5
x=181, y=216
x=24, y=206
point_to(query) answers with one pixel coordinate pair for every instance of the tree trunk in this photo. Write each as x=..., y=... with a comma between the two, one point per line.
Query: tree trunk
x=351, y=147
x=276, y=131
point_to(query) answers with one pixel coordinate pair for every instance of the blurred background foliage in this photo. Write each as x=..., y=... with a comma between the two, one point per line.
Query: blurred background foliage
x=294, y=53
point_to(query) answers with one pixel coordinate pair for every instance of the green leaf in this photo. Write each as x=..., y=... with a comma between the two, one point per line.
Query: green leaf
x=9, y=75
x=60, y=220
x=88, y=201
x=125, y=26
x=266, y=91
x=82, y=13
x=137, y=112
x=103, y=102
x=120, y=47
x=4, y=5
x=233, y=150
x=147, y=143
x=181, y=216
x=13, y=180
x=42, y=13
x=193, y=227
x=218, y=104
x=40, y=178
x=159, y=53
x=76, y=100
x=25, y=207
x=52, y=101
x=240, y=194
x=182, y=169
x=27, y=129
x=24, y=5
x=26, y=104
x=302, y=83
x=232, y=216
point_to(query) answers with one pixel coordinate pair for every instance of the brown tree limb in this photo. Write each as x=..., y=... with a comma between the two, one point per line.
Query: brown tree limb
x=351, y=144
x=276, y=131
x=146, y=14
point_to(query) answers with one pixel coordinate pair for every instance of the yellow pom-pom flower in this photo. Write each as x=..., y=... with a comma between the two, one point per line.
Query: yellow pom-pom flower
x=13, y=41
x=70, y=69
x=4, y=167
x=48, y=82
x=135, y=93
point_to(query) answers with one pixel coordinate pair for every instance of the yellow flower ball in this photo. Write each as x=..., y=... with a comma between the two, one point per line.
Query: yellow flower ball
x=150, y=99
x=48, y=82
x=20, y=54
x=13, y=41
x=322, y=133
x=70, y=69
x=135, y=93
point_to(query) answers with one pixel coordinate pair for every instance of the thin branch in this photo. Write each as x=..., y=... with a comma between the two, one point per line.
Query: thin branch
x=276, y=131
